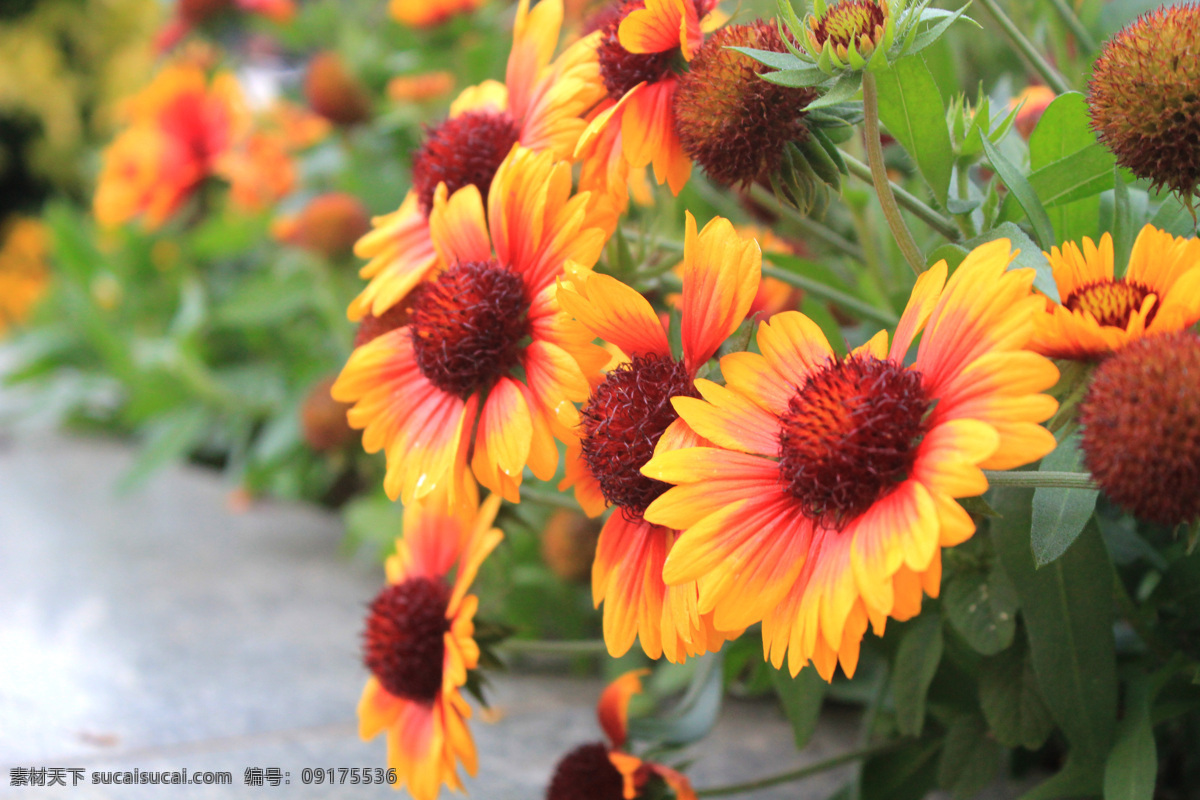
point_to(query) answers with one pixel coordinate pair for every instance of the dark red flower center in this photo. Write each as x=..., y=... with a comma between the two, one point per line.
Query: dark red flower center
x=622, y=70
x=850, y=435
x=462, y=151
x=469, y=326
x=1111, y=302
x=586, y=773
x=848, y=21
x=404, y=643
x=623, y=421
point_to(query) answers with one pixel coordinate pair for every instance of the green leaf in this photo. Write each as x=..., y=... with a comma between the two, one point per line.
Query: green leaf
x=910, y=106
x=1068, y=611
x=1060, y=514
x=916, y=662
x=1083, y=174
x=928, y=37
x=905, y=774
x=1077, y=778
x=1123, y=225
x=694, y=716
x=970, y=758
x=1065, y=129
x=1010, y=700
x=780, y=61
x=801, y=78
x=1030, y=256
x=1132, y=765
x=168, y=439
x=801, y=697
x=1019, y=186
x=844, y=88
x=982, y=607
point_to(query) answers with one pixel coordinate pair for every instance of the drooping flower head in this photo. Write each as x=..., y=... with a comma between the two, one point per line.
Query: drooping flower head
x=328, y=224
x=541, y=106
x=642, y=48
x=603, y=770
x=1141, y=428
x=629, y=416
x=830, y=484
x=181, y=125
x=419, y=643
x=730, y=121
x=1099, y=313
x=482, y=358
x=1143, y=98
x=334, y=92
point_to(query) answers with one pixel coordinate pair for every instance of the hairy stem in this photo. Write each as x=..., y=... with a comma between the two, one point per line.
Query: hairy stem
x=1040, y=65
x=883, y=186
x=818, y=289
x=798, y=774
x=1040, y=480
x=1075, y=25
x=914, y=204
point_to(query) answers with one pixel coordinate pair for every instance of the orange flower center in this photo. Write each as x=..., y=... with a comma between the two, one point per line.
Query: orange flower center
x=462, y=151
x=849, y=21
x=623, y=421
x=404, y=644
x=850, y=435
x=622, y=70
x=1111, y=302
x=586, y=773
x=469, y=326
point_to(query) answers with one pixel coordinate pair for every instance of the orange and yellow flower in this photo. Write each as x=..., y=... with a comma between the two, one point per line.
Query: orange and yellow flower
x=428, y=13
x=482, y=361
x=1100, y=313
x=637, y=53
x=23, y=270
x=181, y=126
x=419, y=644
x=605, y=771
x=541, y=106
x=831, y=485
x=629, y=417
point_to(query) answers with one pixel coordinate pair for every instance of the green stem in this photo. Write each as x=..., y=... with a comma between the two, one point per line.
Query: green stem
x=811, y=229
x=1040, y=480
x=1040, y=65
x=965, y=223
x=548, y=498
x=883, y=186
x=1072, y=21
x=914, y=204
x=798, y=774
x=543, y=647
x=818, y=289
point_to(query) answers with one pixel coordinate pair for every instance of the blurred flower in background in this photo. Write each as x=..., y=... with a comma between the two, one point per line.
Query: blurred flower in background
x=23, y=269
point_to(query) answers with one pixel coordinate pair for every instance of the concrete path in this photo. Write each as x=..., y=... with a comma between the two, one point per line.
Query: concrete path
x=160, y=631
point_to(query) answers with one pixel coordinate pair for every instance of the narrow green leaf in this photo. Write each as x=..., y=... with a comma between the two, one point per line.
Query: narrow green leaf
x=1083, y=174
x=1132, y=765
x=1060, y=514
x=1065, y=129
x=970, y=758
x=1123, y=231
x=780, y=61
x=909, y=773
x=796, y=78
x=697, y=712
x=982, y=607
x=928, y=37
x=916, y=662
x=1068, y=611
x=844, y=88
x=168, y=439
x=910, y=106
x=1030, y=256
x=1011, y=701
x=1026, y=196
x=802, y=697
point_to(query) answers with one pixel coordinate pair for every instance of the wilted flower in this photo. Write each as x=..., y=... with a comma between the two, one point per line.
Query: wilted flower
x=1144, y=100
x=1141, y=428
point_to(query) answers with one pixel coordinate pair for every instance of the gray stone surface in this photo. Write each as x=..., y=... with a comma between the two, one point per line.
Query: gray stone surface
x=161, y=630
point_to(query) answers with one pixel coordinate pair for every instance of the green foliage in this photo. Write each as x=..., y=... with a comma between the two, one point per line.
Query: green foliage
x=916, y=663
x=1059, y=515
x=910, y=107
